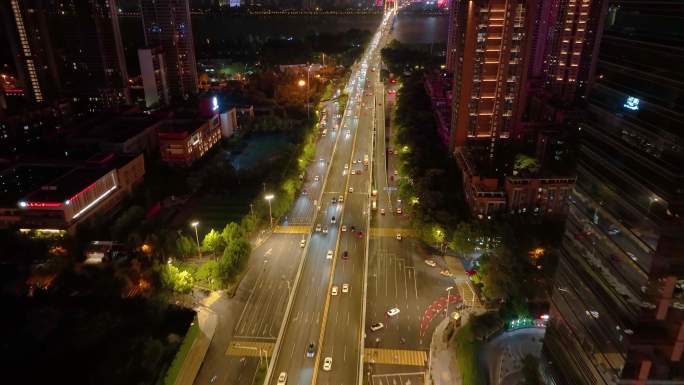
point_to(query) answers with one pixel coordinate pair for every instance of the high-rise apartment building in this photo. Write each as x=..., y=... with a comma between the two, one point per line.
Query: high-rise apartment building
x=94, y=65
x=572, y=47
x=488, y=67
x=617, y=307
x=454, y=35
x=167, y=24
x=153, y=72
x=26, y=25
x=561, y=60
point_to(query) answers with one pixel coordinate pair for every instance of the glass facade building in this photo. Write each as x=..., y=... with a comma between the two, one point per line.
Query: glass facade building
x=617, y=307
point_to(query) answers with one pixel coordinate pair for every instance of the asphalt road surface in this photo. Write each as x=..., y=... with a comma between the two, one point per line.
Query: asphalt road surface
x=333, y=323
x=250, y=322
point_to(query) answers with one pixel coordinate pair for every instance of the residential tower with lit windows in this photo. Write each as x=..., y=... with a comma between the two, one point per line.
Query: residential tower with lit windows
x=617, y=307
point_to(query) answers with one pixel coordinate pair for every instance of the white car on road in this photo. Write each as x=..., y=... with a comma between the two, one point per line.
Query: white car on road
x=333, y=291
x=329, y=255
x=282, y=378
x=393, y=311
x=430, y=262
x=302, y=243
x=327, y=364
x=345, y=288
x=398, y=237
x=377, y=326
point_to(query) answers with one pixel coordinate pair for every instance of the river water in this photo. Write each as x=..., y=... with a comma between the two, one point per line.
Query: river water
x=408, y=28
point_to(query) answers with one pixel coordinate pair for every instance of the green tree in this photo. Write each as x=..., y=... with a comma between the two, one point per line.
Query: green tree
x=213, y=242
x=185, y=246
x=525, y=163
x=501, y=274
x=248, y=224
x=127, y=221
x=208, y=273
x=464, y=238
x=174, y=279
x=233, y=259
x=231, y=232
x=530, y=370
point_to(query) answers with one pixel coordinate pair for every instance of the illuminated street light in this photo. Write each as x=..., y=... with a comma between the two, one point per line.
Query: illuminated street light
x=301, y=83
x=448, y=290
x=195, y=224
x=268, y=198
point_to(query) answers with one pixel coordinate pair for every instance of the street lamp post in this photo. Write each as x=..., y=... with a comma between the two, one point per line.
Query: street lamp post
x=268, y=198
x=308, y=80
x=195, y=224
x=448, y=290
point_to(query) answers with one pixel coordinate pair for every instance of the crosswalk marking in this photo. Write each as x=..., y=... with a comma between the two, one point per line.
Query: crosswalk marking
x=250, y=348
x=391, y=232
x=292, y=229
x=395, y=356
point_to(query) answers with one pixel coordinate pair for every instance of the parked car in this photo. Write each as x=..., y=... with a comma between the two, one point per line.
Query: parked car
x=377, y=326
x=430, y=262
x=345, y=288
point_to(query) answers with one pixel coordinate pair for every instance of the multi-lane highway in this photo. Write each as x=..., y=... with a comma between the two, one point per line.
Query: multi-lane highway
x=334, y=265
x=326, y=310
x=250, y=322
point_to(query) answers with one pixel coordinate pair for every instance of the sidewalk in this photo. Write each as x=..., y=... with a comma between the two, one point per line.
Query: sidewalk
x=442, y=368
x=207, y=321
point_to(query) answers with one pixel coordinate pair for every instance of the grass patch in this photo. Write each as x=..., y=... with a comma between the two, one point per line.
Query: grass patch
x=467, y=352
x=190, y=336
x=342, y=100
x=260, y=375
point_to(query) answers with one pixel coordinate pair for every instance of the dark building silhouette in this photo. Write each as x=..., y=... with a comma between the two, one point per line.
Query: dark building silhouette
x=26, y=24
x=617, y=307
x=166, y=24
x=94, y=65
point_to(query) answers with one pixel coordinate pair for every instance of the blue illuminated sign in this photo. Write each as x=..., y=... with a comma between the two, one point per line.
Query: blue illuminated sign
x=631, y=103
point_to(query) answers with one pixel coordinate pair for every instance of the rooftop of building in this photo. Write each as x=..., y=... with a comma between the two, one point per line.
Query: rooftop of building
x=181, y=125
x=54, y=181
x=67, y=186
x=19, y=180
x=119, y=129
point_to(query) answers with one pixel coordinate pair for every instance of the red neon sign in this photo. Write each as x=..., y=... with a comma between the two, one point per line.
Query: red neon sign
x=43, y=204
